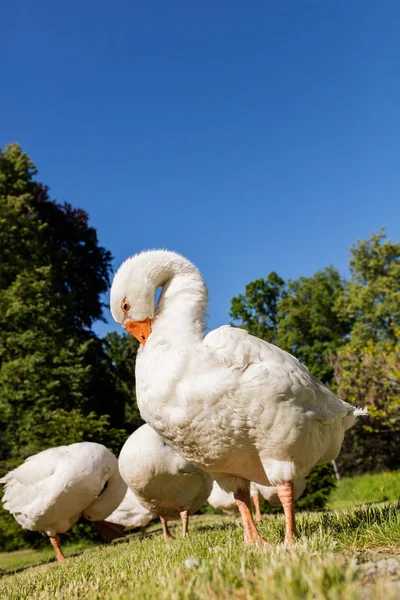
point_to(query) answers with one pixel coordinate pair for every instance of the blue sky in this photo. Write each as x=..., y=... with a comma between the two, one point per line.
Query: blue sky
x=250, y=137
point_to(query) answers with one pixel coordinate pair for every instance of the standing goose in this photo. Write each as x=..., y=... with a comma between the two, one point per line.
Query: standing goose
x=51, y=490
x=130, y=513
x=163, y=482
x=232, y=404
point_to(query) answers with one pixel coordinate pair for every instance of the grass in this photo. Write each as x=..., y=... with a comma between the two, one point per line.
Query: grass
x=212, y=563
x=10, y=561
x=377, y=487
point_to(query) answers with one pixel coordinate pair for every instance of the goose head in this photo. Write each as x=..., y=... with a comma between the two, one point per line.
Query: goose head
x=132, y=296
x=135, y=283
x=137, y=279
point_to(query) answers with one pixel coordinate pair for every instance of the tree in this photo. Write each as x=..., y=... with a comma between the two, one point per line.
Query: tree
x=121, y=351
x=372, y=296
x=371, y=377
x=52, y=273
x=80, y=267
x=36, y=231
x=299, y=316
x=308, y=325
x=18, y=228
x=257, y=309
x=367, y=369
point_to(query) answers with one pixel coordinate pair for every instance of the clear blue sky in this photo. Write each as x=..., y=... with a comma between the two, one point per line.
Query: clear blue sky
x=249, y=136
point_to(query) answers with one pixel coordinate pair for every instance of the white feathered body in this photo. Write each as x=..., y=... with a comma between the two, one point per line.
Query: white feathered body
x=222, y=500
x=163, y=482
x=236, y=405
x=52, y=489
x=130, y=513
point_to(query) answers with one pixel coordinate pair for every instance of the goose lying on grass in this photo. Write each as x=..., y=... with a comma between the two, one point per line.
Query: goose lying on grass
x=162, y=481
x=231, y=404
x=51, y=490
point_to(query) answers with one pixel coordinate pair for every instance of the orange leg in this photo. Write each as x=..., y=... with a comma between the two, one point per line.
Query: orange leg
x=256, y=502
x=167, y=535
x=55, y=542
x=251, y=535
x=185, y=522
x=143, y=529
x=285, y=494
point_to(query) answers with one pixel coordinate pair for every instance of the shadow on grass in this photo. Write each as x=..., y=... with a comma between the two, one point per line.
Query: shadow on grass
x=218, y=526
x=4, y=572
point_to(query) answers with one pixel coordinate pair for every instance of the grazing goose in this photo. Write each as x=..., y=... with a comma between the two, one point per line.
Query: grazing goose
x=51, y=490
x=162, y=481
x=230, y=403
x=130, y=513
x=222, y=500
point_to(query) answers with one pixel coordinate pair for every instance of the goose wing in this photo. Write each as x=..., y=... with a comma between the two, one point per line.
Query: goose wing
x=274, y=373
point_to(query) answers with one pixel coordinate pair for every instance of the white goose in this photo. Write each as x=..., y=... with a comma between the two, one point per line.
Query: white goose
x=163, y=482
x=130, y=513
x=51, y=490
x=222, y=500
x=232, y=404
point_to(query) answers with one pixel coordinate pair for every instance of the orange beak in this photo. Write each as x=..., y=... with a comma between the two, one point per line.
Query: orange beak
x=139, y=329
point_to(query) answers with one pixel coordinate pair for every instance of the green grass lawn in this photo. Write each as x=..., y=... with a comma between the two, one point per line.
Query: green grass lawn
x=350, y=552
x=334, y=558
x=22, y=558
x=378, y=487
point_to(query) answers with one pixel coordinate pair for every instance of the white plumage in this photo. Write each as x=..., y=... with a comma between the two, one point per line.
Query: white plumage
x=162, y=481
x=130, y=513
x=232, y=404
x=222, y=500
x=51, y=490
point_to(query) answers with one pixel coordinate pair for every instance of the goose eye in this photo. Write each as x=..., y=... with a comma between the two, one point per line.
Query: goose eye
x=125, y=307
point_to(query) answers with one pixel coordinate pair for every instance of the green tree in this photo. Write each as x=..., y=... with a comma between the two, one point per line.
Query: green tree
x=257, y=309
x=18, y=227
x=299, y=316
x=308, y=325
x=367, y=369
x=52, y=273
x=80, y=266
x=372, y=295
x=121, y=351
x=371, y=377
